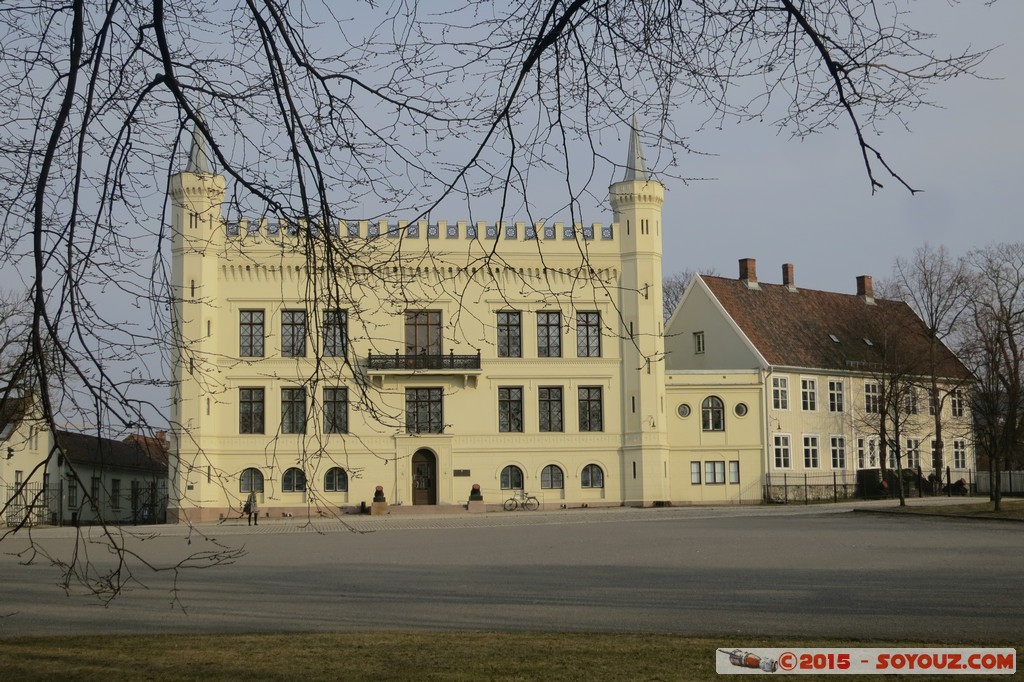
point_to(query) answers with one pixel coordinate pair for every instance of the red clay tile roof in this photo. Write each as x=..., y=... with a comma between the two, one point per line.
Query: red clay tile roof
x=95, y=451
x=793, y=328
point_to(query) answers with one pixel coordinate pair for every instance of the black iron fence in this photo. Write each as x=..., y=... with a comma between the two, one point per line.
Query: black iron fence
x=32, y=504
x=422, y=361
x=36, y=504
x=865, y=484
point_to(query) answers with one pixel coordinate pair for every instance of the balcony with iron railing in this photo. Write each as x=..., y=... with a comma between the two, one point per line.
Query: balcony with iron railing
x=467, y=366
x=439, y=363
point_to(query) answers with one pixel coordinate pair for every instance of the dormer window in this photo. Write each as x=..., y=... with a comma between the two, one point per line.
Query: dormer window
x=868, y=341
x=835, y=339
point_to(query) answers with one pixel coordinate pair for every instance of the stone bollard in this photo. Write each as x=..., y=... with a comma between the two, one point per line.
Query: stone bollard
x=380, y=504
x=476, y=500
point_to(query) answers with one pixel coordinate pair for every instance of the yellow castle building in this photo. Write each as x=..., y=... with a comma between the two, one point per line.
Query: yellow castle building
x=317, y=362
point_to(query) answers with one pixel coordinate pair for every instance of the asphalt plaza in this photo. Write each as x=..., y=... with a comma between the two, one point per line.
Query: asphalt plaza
x=789, y=571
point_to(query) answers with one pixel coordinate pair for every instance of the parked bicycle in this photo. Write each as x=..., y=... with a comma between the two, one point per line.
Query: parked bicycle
x=523, y=499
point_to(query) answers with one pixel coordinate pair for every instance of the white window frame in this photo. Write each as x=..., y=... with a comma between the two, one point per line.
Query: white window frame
x=698, y=343
x=913, y=450
x=872, y=398
x=836, y=396
x=714, y=472
x=782, y=444
x=959, y=454
x=956, y=403
x=780, y=393
x=808, y=394
x=812, y=451
x=837, y=445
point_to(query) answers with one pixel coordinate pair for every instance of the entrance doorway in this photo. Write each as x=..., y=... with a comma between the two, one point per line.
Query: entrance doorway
x=424, y=477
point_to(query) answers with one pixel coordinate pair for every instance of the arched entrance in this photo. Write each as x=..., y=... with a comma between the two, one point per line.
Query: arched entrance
x=424, y=477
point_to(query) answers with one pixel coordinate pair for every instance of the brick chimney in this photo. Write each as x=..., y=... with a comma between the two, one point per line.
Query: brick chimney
x=787, y=277
x=748, y=272
x=865, y=290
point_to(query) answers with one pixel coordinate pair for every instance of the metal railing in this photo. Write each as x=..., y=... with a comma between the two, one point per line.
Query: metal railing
x=422, y=361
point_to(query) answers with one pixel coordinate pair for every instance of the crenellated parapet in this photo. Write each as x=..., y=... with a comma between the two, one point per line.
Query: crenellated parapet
x=281, y=229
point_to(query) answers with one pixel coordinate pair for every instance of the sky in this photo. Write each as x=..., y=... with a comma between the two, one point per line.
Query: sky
x=780, y=200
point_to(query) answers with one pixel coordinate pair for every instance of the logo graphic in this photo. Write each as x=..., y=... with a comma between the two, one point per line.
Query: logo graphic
x=745, y=659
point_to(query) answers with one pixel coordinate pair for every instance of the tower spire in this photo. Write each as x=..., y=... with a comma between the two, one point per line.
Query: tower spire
x=198, y=157
x=636, y=168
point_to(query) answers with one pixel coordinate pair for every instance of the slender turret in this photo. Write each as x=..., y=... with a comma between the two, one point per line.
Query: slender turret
x=196, y=226
x=636, y=201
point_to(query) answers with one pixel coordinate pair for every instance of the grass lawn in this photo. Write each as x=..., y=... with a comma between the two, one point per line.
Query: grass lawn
x=387, y=657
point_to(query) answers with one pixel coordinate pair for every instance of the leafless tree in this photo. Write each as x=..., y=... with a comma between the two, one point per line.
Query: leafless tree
x=674, y=286
x=936, y=286
x=994, y=349
x=313, y=116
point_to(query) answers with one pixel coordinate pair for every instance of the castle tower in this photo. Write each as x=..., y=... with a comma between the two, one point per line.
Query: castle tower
x=636, y=202
x=197, y=237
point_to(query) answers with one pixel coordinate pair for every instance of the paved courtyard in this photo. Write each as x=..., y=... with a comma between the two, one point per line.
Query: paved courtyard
x=766, y=571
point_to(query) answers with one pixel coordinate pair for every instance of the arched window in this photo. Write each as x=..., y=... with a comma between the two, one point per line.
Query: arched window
x=251, y=481
x=336, y=481
x=551, y=477
x=511, y=478
x=712, y=414
x=294, y=481
x=592, y=477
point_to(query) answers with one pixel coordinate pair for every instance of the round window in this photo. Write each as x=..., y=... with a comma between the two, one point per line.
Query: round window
x=741, y=409
x=683, y=410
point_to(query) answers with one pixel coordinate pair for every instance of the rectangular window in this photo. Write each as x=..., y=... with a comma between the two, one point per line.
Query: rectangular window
x=250, y=410
x=861, y=454
x=956, y=403
x=293, y=410
x=424, y=410
x=835, y=396
x=780, y=393
x=115, y=493
x=933, y=402
x=335, y=410
x=549, y=334
x=293, y=333
x=698, y=342
x=510, y=339
x=910, y=400
x=811, y=452
x=714, y=473
x=335, y=333
x=588, y=335
x=94, y=491
x=734, y=471
x=782, y=459
x=423, y=332
x=510, y=409
x=250, y=333
x=695, y=473
x=550, y=402
x=72, y=492
x=913, y=453
x=960, y=454
x=838, y=452
x=872, y=399
x=808, y=395
x=591, y=408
